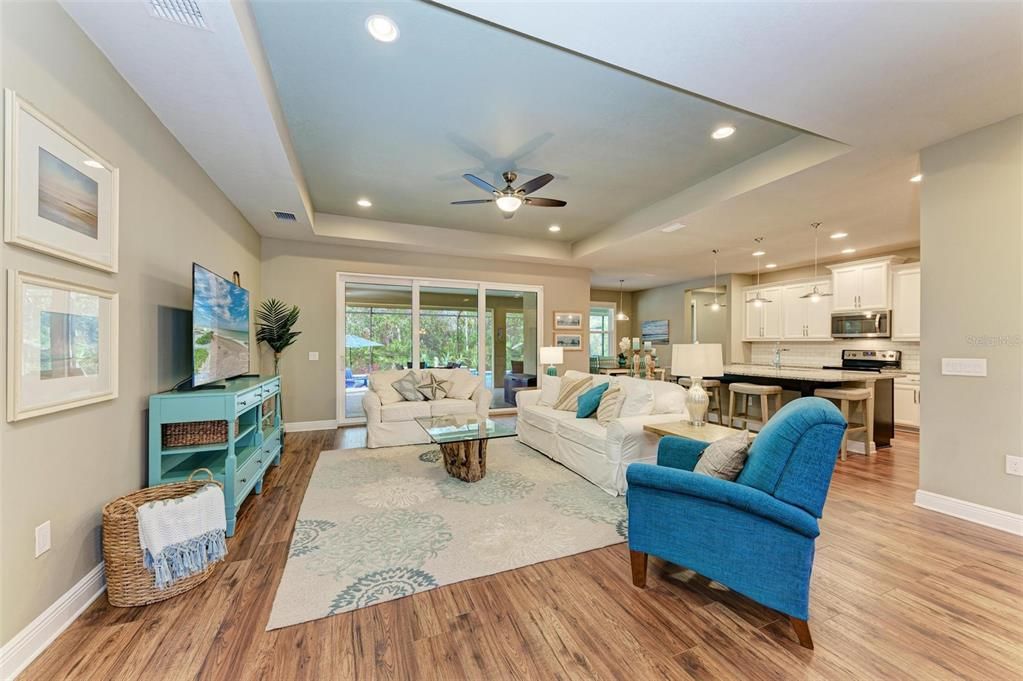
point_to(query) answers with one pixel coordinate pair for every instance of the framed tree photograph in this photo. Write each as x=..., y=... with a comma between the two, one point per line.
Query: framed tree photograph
x=568, y=341
x=568, y=320
x=60, y=196
x=61, y=345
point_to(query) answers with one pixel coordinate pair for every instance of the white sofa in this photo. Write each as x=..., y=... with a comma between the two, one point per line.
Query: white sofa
x=599, y=454
x=390, y=419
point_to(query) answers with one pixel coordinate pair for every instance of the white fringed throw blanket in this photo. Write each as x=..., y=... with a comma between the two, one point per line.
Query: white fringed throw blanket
x=182, y=537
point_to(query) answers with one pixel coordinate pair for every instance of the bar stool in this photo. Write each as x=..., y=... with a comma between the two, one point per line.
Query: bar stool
x=848, y=398
x=713, y=388
x=748, y=392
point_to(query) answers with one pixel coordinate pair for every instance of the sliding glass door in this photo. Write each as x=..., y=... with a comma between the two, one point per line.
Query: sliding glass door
x=493, y=330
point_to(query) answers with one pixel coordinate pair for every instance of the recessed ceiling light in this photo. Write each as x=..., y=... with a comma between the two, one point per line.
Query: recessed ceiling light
x=382, y=28
x=847, y=251
x=674, y=227
x=839, y=235
x=365, y=203
x=757, y=254
x=723, y=132
x=92, y=164
x=917, y=178
x=554, y=228
x=770, y=265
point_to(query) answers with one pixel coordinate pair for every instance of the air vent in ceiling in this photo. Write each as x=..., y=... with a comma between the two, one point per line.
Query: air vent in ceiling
x=184, y=12
x=284, y=216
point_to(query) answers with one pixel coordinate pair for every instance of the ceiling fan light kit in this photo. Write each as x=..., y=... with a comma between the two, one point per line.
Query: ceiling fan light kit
x=509, y=199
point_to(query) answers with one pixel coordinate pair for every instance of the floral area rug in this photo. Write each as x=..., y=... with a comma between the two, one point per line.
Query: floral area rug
x=380, y=524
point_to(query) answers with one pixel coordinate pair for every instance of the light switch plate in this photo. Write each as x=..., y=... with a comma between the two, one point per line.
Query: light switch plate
x=314, y=356
x=1014, y=465
x=42, y=538
x=963, y=366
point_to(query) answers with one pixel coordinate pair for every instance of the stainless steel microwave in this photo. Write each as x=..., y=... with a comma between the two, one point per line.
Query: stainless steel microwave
x=862, y=324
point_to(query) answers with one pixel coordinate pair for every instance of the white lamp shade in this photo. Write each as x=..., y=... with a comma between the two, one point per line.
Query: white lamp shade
x=552, y=355
x=697, y=359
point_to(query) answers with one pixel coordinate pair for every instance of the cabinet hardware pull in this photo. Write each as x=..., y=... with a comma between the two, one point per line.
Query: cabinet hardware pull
x=244, y=480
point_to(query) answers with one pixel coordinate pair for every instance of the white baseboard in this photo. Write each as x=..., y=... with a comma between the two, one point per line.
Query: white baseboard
x=300, y=426
x=967, y=510
x=28, y=643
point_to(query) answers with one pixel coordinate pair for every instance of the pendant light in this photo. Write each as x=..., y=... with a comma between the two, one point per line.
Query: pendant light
x=758, y=300
x=621, y=316
x=716, y=305
x=816, y=294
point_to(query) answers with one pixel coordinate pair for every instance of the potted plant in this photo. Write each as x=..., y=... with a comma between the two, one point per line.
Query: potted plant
x=274, y=322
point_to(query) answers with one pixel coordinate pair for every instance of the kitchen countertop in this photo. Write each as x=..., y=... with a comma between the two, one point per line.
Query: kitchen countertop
x=809, y=374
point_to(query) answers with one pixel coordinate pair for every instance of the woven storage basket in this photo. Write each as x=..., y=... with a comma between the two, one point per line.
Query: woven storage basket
x=269, y=405
x=195, y=433
x=128, y=583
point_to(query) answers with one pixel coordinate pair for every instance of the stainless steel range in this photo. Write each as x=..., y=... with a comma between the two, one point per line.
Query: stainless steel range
x=875, y=361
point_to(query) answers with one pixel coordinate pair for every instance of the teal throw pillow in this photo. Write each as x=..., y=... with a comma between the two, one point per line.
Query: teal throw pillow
x=589, y=401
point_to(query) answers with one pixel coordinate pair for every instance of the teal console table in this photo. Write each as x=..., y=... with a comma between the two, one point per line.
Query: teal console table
x=254, y=440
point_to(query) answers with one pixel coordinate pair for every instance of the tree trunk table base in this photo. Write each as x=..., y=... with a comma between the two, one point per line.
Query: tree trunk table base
x=465, y=460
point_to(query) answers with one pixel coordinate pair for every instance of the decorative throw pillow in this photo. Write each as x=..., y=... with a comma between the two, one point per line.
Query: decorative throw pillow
x=610, y=405
x=725, y=458
x=589, y=401
x=380, y=382
x=407, y=387
x=432, y=388
x=550, y=388
x=571, y=389
x=463, y=384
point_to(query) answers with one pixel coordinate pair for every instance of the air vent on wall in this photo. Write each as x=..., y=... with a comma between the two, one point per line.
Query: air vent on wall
x=184, y=12
x=284, y=216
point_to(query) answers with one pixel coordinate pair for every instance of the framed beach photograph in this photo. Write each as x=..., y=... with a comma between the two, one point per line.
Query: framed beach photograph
x=568, y=341
x=60, y=195
x=655, y=331
x=568, y=320
x=61, y=345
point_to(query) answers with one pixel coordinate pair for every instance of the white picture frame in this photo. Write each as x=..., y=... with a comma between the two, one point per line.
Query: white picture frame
x=60, y=196
x=569, y=341
x=61, y=345
x=568, y=320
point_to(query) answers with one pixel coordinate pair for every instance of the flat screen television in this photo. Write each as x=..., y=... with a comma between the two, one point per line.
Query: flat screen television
x=220, y=327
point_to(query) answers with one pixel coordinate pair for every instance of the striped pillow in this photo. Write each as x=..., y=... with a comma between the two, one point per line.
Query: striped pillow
x=571, y=389
x=610, y=405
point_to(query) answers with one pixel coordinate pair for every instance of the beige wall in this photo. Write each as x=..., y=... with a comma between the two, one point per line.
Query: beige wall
x=670, y=302
x=971, y=237
x=65, y=466
x=305, y=274
x=598, y=295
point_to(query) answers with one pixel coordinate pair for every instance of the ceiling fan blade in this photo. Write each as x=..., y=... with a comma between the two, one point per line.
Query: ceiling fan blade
x=462, y=203
x=508, y=216
x=536, y=183
x=550, y=203
x=482, y=184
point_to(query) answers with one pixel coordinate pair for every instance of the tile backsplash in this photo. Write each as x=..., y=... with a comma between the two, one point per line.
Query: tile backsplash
x=817, y=355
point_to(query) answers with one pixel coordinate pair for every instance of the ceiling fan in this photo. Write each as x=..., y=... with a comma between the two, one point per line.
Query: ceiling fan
x=510, y=199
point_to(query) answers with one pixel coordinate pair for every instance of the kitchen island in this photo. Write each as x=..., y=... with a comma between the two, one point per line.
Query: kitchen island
x=805, y=380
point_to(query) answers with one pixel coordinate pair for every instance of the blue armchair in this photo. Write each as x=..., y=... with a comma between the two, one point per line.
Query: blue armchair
x=755, y=535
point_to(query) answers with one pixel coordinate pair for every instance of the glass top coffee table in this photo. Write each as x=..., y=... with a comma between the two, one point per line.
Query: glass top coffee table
x=463, y=442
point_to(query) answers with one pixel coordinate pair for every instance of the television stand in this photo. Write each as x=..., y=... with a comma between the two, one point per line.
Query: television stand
x=249, y=412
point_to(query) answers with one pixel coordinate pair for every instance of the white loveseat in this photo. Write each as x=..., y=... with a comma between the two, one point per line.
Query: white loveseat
x=599, y=454
x=390, y=420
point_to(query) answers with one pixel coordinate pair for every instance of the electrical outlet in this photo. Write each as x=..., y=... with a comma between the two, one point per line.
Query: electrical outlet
x=1014, y=465
x=43, y=538
x=314, y=356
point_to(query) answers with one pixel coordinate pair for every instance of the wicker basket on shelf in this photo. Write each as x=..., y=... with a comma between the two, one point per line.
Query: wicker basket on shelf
x=196, y=433
x=129, y=584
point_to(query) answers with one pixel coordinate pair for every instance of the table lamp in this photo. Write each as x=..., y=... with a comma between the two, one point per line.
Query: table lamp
x=552, y=356
x=697, y=361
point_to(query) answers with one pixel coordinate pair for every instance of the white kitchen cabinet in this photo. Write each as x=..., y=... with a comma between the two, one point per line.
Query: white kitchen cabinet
x=907, y=401
x=906, y=302
x=764, y=322
x=862, y=285
x=803, y=319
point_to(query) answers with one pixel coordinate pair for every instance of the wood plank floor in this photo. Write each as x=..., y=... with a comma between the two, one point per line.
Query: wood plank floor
x=898, y=593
